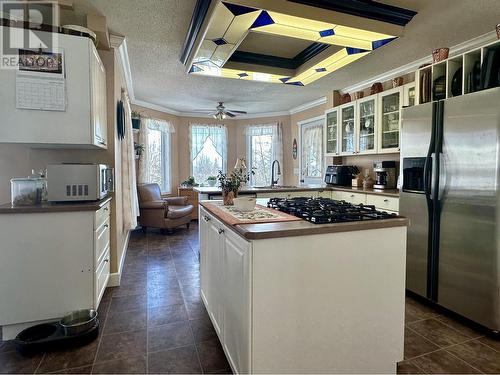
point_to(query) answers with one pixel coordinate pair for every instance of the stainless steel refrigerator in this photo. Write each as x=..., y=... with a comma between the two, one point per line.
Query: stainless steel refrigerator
x=450, y=167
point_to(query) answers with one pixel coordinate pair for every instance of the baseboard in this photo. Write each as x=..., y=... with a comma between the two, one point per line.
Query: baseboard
x=115, y=278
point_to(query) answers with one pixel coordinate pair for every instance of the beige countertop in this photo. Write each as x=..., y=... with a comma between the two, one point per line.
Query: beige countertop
x=255, y=190
x=302, y=228
x=54, y=207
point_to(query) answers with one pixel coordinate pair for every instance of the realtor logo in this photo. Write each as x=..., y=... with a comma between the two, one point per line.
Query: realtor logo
x=27, y=20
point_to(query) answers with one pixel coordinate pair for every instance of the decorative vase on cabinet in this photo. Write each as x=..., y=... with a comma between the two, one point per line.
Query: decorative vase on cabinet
x=390, y=103
x=331, y=132
x=367, y=125
x=348, y=128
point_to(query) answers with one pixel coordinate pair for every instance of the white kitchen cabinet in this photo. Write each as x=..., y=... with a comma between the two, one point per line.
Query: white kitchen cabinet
x=52, y=262
x=390, y=105
x=215, y=268
x=237, y=301
x=409, y=94
x=82, y=124
x=366, y=125
x=354, y=198
x=331, y=132
x=383, y=203
x=98, y=98
x=347, y=131
x=278, y=297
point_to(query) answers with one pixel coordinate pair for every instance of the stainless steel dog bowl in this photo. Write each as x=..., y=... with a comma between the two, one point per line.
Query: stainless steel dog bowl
x=78, y=321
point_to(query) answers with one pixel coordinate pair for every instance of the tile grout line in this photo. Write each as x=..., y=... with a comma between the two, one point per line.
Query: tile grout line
x=463, y=360
x=189, y=321
x=40, y=363
x=101, y=336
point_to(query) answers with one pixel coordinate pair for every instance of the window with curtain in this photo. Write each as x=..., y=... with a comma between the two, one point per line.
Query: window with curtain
x=311, y=151
x=264, y=145
x=208, y=144
x=155, y=161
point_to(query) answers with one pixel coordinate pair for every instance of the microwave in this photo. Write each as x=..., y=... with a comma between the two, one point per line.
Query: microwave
x=70, y=182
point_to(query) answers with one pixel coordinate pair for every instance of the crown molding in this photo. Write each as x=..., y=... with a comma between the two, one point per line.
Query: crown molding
x=119, y=43
x=455, y=50
x=157, y=107
x=308, y=105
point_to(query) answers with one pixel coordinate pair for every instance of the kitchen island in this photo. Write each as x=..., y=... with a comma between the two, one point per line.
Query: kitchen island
x=382, y=199
x=289, y=296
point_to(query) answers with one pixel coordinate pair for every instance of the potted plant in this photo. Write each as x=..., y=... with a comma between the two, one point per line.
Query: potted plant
x=231, y=183
x=138, y=148
x=211, y=180
x=136, y=120
x=189, y=182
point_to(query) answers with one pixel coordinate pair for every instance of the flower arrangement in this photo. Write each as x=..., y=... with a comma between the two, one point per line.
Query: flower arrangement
x=231, y=183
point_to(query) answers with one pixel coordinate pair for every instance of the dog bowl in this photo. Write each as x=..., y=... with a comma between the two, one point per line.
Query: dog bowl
x=78, y=321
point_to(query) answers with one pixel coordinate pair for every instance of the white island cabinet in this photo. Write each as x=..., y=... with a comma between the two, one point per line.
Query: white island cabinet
x=302, y=298
x=54, y=259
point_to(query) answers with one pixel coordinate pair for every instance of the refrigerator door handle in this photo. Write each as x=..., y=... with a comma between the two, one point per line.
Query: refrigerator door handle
x=442, y=177
x=432, y=176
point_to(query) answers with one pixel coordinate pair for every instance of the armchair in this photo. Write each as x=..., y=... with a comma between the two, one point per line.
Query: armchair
x=159, y=212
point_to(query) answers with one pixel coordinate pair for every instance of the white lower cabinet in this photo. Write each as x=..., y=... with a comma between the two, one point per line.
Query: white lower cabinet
x=226, y=288
x=56, y=262
x=237, y=297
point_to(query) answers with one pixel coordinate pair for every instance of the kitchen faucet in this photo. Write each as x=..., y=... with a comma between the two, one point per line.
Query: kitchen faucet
x=273, y=181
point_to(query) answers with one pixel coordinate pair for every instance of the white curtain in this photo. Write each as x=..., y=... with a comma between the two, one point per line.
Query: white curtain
x=146, y=159
x=208, y=145
x=274, y=129
x=129, y=188
x=312, y=152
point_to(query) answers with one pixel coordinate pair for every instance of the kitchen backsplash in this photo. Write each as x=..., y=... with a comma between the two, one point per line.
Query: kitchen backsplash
x=366, y=161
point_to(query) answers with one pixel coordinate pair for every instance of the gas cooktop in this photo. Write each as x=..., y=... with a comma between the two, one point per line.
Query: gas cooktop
x=324, y=210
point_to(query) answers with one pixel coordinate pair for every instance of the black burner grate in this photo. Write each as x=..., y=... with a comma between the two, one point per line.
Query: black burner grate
x=325, y=210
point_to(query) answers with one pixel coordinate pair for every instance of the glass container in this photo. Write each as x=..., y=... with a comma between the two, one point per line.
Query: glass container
x=26, y=191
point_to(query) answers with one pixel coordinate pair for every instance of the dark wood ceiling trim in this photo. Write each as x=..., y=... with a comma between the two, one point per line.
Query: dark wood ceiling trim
x=364, y=8
x=278, y=62
x=199, y=14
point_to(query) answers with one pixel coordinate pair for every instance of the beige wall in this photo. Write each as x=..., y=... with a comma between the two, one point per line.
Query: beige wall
x=236, y=147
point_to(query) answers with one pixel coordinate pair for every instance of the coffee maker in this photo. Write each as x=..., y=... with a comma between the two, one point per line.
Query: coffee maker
x=385, y=174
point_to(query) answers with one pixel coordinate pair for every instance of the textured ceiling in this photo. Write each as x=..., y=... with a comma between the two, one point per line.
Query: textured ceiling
x=155, y=31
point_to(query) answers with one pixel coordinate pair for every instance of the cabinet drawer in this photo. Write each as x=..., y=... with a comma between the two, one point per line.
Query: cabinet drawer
x=383, y=203
x=101, y=277
x=101, y=215
x=337, y=195
x=101, y=240
x=354, y=198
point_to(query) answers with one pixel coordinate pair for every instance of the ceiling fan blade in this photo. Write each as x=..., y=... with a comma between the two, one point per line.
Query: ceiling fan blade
x=242, y=112
x=230, y=114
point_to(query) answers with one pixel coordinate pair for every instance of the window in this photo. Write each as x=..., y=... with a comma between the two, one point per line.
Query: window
x=154, y=163
x=311, y=146
x=208, y=145
x=264, y=145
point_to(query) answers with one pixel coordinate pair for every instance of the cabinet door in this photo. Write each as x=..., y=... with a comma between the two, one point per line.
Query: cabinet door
x=347, y=129
x=204, y=228
x=237, y=306
x=215, y=268
x=331, y=132
x=366, y=125
x=98, y=99
x=354, y=198
x=409, y=94
x=390, y=120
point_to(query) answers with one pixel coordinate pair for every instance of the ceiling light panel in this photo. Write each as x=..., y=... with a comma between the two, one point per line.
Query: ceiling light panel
x=231, y=23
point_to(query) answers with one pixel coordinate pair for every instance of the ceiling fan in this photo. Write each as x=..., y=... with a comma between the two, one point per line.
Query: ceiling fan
x=221, y=112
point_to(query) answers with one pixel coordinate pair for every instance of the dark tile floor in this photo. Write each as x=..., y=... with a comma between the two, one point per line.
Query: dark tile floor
x=155, y=322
